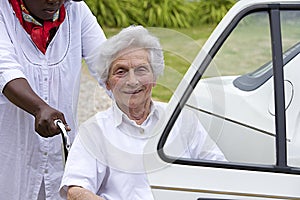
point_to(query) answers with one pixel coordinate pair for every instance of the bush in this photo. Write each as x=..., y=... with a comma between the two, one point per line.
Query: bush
x=167, y=13
x=159, y=13
x=108, y=12
x=212, y=11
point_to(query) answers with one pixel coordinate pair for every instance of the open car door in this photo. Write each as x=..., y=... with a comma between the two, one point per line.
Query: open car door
x=244, y=88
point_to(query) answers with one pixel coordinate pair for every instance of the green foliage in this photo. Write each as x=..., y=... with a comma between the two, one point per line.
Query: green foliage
x=212, y=11
x=108, y=12
x=159, y=13
x=167, y=13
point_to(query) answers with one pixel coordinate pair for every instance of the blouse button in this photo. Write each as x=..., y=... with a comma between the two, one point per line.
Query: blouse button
x=142, y=131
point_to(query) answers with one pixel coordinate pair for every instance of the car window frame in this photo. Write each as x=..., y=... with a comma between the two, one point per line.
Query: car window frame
x=280, y=118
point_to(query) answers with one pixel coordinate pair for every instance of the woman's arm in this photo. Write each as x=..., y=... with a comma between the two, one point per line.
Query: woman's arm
x=19, y=92
x=79, y=193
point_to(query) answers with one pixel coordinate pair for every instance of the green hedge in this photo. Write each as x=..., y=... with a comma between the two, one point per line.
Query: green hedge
x=159, y=13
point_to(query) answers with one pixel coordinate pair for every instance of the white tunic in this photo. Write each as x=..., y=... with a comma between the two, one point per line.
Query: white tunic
x=107, y=154
x=25, y=157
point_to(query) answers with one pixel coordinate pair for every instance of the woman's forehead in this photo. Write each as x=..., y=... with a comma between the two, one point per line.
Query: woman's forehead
x=132, y=53
x=138, y=55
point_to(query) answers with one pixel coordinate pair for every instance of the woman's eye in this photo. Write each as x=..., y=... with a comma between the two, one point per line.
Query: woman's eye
x=142, y=69
x=120, y=72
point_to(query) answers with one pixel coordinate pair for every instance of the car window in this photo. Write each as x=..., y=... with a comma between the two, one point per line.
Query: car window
x=240, y=121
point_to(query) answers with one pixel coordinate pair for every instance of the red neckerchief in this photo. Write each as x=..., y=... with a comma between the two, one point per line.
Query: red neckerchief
x=40, y=35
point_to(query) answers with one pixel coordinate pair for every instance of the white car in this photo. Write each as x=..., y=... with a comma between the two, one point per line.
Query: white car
x=244, y=85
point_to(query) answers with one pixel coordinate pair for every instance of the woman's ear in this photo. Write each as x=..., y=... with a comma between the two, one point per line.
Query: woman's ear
x=154, y=81
x=107, y=85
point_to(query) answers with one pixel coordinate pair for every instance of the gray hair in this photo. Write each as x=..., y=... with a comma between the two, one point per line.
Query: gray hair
x=130, y=37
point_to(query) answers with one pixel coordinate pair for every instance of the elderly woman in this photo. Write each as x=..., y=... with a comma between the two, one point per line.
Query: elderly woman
x=105, y=161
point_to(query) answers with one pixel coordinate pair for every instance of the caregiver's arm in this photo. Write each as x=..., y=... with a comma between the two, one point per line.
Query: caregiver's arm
x=79, y=193
x=19, y=92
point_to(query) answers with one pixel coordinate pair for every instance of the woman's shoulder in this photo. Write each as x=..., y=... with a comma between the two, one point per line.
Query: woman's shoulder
x=99, y=117
x=5, y=8
x=74, y=6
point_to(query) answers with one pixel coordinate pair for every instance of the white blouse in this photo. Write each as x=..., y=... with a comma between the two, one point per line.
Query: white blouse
x=26, y=158
x=107, y=155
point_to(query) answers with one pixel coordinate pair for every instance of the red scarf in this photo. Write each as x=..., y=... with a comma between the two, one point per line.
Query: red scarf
x=41, y=35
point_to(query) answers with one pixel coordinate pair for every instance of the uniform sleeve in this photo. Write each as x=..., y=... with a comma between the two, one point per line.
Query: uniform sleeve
x=9, y=67
x=92, y=37
x=81, y=169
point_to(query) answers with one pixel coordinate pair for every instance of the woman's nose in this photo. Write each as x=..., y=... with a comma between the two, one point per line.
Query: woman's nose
x=132, y=79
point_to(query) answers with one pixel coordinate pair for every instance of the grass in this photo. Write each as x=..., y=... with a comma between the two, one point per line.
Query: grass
x=180, y=48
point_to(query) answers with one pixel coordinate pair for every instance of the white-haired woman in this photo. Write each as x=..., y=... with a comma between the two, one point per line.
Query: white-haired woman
x=106, y=159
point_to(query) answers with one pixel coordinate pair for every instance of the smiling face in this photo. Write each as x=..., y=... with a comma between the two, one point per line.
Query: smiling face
x=131, y=80
x=43, y=9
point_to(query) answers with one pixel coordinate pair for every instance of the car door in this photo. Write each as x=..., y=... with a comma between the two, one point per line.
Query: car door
x=243, y=87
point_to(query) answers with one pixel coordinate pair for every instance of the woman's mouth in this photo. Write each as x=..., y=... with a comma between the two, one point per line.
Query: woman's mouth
x=50, y=11
x=133, y=91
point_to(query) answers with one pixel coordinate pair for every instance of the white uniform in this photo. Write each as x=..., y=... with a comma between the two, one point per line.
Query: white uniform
x=26, y=158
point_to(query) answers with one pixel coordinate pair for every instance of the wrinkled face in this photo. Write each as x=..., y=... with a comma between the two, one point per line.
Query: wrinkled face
x=131, y=79
x=43, y=9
